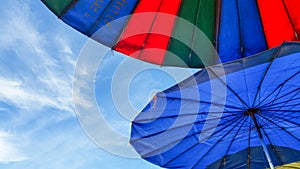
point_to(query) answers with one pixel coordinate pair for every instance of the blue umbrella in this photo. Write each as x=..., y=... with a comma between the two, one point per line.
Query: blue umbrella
x=248, y=117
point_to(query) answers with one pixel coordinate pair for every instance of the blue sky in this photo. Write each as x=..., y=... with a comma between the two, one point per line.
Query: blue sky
x=38, y=124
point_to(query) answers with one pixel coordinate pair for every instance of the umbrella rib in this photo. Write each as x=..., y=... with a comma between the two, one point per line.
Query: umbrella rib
x=291, y=111
x=291, y=106
x=218, y=10
x=246, y=84
x=175, y=116
x=194, y=29
x=240, y=32
x=244, y=117
x=204, y=91
x=94, y=25
x=228, y=87
x=280, y=127
x=277, y=109
x=204, y=102
x=193, y=145
x=291, y=92
x=290, y=19
x=280, y=119
x=283, y=102
x=265, y=74
x=279, y=87
x=150, y=29
x=170, y=129
x=276, y=97
x=69, y=6
x=269, y=125
x=176, y=141
x=284, y=117
x=221, y=164
x=249, y=144
x=281, y=106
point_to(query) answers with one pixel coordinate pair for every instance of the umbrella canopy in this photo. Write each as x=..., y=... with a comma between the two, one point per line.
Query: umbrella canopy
x=245, y=118
x=237, y=28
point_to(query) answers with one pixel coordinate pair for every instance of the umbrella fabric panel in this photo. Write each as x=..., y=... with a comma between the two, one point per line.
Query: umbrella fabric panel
x=163, y=24
x=252, y=34
x=235, y=136
x=206, y=18
x=276, y=86
x=240, y=33
x=229, y=40
x=57, y=6
x=136, y=46
x=201, y=154
x=131, y=41
x=293, y=8
x=88, y=16
x=84, y=14
x=276, y=22
x=200, y=13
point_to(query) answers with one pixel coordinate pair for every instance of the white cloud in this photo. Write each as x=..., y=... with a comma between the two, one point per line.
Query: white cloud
x=47, y=79
x=15, y=93
x=38, y=80
x=36, y=71
x=8, y=149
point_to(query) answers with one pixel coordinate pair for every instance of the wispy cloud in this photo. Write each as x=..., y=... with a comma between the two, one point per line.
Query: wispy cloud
x=13, y=92
x=40, y=78
x=36, y=69
x=8, y=150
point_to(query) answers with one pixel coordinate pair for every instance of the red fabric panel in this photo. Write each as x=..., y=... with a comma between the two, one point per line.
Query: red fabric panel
x=163, y=25
x=137, y=35
x=276, y=23
x=293, y=7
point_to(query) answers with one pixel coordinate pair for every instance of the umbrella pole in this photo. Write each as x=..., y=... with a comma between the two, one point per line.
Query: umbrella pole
x=266, y=151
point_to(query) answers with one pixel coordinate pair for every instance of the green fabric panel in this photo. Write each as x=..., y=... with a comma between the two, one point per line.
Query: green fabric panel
x=57, y=6
x=206, y=21
x=201, y=13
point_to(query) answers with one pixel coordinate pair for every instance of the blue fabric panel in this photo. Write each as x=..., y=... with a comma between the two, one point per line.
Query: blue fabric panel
x=84, y=14
x=109, y=34
x=90, y=15
x=253, y=38
x=229, y=44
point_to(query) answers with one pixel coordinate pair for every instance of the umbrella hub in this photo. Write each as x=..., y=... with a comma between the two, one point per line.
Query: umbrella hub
x=251, y=111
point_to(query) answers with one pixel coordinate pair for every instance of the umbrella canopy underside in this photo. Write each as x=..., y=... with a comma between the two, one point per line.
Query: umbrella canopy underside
x=172, y=129
x=236, y=28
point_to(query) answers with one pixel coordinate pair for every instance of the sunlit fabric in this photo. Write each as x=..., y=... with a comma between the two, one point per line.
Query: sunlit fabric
x=237, y=28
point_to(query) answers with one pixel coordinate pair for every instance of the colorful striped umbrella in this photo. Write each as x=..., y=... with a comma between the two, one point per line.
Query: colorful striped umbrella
x=237, y=28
